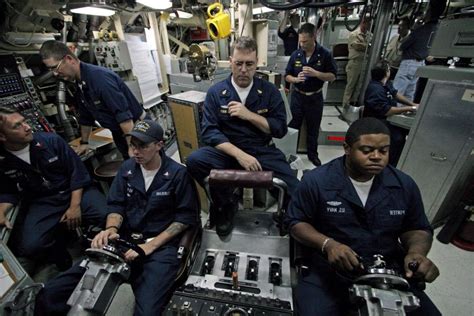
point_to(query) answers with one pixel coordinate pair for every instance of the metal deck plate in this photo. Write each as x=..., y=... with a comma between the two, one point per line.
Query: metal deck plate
x=330, y=111
x=333, y=124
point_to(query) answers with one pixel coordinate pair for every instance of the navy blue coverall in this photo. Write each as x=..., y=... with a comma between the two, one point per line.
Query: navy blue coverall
x=106, y=98
x=290, y=40
x=219, y=127
x=327, y=200
x=170, y=198
x=378, y=100
x=303, y=105
x=44, y=188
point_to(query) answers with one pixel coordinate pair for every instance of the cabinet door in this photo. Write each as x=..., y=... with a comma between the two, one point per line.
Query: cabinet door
x=437, y=139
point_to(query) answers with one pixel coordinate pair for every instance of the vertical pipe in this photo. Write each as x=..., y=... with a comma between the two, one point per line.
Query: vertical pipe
x=154, y=24
x=312, y=16
x=245, y=18
x=382, y=21
x=61, y=100
x=232, y=21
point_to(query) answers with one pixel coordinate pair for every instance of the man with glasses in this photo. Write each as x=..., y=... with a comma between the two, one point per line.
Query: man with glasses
x=100, y=93
x=153, y=196
x=54, y=187
x=308, y=68
x=241, y=115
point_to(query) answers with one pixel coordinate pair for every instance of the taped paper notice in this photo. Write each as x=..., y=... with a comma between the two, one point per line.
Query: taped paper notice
x=468, y=95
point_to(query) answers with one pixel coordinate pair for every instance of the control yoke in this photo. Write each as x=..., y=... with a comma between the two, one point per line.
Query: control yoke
x=105, y=271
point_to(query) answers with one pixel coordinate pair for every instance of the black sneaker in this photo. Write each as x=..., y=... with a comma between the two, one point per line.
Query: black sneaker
x=225, y=219
x=315, y=161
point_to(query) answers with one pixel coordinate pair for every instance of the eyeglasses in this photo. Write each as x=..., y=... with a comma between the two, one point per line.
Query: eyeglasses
x=248, y=64
x=55, y=68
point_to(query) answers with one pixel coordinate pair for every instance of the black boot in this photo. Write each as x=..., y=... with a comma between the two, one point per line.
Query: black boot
x=315, y=160
x=225, y=218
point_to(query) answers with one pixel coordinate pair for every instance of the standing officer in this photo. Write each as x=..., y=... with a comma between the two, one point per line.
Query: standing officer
x=54, y=187
x=101, y=95
x=354, y=207
x=414, y=52
x=307, y=69
x=289, y=35
x=357, y=46
x=241, y=115
x=393, y=54
x=151, y=195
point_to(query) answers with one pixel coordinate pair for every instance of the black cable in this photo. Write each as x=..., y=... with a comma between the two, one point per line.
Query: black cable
x=399, y=12
x=346, y=20
x=288, y=6
x=333, y=4
x=445, y=13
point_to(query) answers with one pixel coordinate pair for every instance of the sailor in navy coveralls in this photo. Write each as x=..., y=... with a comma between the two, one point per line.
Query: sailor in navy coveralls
x=42, y=172
x=151, y=195
x=101, y=95
x=241, y=115
x=308, y=68
x=354, y=207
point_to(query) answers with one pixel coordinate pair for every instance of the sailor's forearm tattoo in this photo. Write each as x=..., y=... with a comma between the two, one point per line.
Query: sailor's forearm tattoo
x=175, y=228
x=114, y=219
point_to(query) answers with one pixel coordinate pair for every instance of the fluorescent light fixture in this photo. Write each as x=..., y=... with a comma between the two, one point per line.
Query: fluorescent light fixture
x=92, y=10
x=91, y=7
x=182, y=15
x=261, y=10
x=156, y=4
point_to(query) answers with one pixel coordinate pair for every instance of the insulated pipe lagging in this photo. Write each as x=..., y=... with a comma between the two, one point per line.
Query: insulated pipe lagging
x=68, y=130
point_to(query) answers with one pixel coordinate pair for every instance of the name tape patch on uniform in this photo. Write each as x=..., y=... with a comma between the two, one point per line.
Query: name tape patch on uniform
x=55, y=158
x=163, y=193
x=224, y=109
x=262, y=111
x=335, y=209
x=396, y=212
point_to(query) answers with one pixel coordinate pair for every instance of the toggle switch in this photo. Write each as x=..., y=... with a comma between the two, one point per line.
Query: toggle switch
x=208, y=265
x=252, y=270
x=230, y=264
x=275, y=273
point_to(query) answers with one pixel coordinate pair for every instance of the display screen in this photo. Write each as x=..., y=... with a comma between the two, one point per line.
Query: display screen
x=10, y=80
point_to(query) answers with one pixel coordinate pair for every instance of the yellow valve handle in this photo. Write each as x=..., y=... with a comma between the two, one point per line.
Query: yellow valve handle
x=211, y=8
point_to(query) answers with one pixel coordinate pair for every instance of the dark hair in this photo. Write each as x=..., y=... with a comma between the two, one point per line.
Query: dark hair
x=307, y=28
x=379, y=71
x=365, y=126
x=435, y=9
x=244, y=43
x=55, y=49
x=405, y=21
x=5, y=111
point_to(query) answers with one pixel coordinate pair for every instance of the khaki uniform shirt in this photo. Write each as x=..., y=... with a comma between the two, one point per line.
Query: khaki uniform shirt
x=393, y=53
x=357, y=44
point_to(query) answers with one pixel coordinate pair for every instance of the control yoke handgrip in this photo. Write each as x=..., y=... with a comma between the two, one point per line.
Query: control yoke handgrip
x=241, y=178
x=130, y=245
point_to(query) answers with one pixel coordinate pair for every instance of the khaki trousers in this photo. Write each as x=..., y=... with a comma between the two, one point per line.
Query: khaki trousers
x=351, y=92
